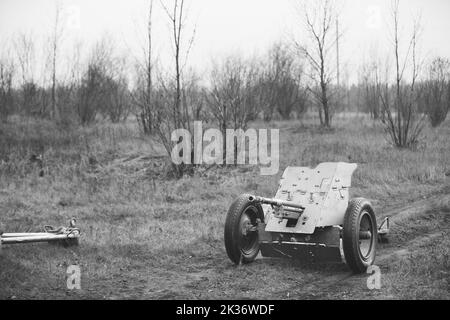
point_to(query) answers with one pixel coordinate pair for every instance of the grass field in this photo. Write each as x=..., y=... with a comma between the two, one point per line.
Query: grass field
x=146, y=236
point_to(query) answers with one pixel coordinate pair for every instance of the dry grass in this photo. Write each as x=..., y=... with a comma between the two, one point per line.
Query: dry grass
x=146, y=236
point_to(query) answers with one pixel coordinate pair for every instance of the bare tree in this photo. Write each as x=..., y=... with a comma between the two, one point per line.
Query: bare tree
x=175, y=114
x=403, y=123
x=321, y=29
x=436, y=91
x=56, y=37
x=177, y=19
x=142, y=96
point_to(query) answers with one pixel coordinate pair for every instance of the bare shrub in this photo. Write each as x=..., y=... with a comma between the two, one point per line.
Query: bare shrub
x=173, y=113
x=193, y=97
x=104, y=87
x=90, y=94
x=143, y=99
x=6, y=89
x=116, y=105
x=30, y=103
x=369, y=78
x=230, y=95
x=281, y=84
x=403, y=121
x=117, y=99
x=67, y=89
x=24, y=45
x=436, y=91
x=66, y=95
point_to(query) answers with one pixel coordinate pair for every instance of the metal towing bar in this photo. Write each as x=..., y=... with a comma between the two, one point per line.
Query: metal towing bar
x=67, y=236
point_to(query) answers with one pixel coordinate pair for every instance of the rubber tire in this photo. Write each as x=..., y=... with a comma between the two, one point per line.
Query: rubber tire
x=231, y=232
x=351, y=235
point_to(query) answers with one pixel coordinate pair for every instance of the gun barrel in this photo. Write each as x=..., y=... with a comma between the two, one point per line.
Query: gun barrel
x=277, y=202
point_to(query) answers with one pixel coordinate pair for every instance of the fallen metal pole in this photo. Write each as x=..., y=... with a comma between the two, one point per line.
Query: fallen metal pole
x=30, y=239
x=24, y=234
x=51, y=234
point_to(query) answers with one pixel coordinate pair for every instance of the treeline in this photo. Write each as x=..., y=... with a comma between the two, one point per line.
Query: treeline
x=236, y=89
x=98, y=87
x=273, y=87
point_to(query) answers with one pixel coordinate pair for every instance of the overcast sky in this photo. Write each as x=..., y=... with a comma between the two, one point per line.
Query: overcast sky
x=226, y=26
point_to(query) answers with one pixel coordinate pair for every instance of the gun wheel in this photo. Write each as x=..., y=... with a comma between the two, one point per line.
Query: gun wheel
x=360, y=235
x=241, y=235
